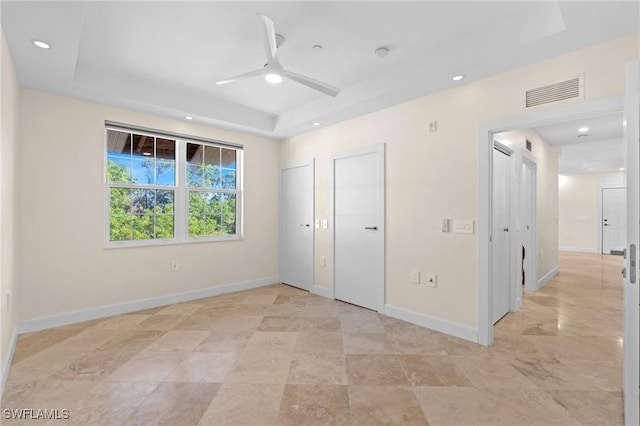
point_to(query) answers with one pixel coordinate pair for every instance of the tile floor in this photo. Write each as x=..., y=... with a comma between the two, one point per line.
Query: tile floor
x=279, y=356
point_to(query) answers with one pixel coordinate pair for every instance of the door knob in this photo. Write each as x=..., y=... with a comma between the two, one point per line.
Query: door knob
x=305, y=224
x=371, y=228
x=506, y=229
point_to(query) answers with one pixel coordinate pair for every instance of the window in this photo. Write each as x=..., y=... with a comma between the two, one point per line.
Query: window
x=170, y=189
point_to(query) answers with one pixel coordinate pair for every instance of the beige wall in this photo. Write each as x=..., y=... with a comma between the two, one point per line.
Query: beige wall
x=578, y=227
x=9, y=92
x=63, y=264
x=547, y=157
x=431, y=176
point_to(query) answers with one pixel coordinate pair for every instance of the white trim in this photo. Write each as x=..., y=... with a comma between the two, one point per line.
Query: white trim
x=605, y=182
x=322, y=291
x=57, y=320
x=7, y=362
x=380, y=149
x=547, y=277
x=486, y=131
x=437, y=324
x=305, y=163
x=579, y=249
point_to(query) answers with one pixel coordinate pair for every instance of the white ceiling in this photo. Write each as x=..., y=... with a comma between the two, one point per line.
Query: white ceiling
x=164, y=57
x=599, y=150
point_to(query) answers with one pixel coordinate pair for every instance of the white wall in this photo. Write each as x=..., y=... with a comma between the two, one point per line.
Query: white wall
x=9, y=92
x=431, y=176
x=578, y=227
x=63, y=264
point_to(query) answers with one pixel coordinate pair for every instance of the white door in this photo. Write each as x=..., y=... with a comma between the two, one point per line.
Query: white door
x=631, y=300
x=358, y=239
x=296, y=225
x=614, y=219
x=528, y=223
x=500, y=255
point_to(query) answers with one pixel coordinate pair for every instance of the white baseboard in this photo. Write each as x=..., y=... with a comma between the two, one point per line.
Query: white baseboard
x=443, y=326
x=579, y=249
x=548, y=276
x=7, y=362
x=41, y=323
x=322, y=291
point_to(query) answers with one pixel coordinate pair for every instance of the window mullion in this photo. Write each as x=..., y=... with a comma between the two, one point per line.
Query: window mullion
x=180, y=198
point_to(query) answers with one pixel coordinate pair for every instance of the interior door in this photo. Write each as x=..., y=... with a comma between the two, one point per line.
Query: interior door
x=632, y=176
x=500, y=256
x=296, y=225
x=614, y=220
x=358, y=239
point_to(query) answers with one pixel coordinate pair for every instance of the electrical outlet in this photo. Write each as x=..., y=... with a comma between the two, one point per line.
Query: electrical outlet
x=431, y=279
x=174, y=266
x=415, y=277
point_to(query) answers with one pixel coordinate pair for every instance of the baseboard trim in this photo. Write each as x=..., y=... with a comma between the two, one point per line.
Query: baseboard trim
x=578, y=249
x=548, y=276
x=42, y=323
x=437, y=324
x=7, y=362
x=321, y=291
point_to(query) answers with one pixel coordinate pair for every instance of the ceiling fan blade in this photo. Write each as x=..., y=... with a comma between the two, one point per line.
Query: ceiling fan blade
x=268, y=32
x=314, y=84
x=241, y=76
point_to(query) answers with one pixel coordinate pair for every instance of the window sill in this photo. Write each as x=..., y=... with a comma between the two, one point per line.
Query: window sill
x=169, y=242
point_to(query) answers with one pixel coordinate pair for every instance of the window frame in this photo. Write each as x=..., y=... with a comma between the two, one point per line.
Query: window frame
x=181, y=190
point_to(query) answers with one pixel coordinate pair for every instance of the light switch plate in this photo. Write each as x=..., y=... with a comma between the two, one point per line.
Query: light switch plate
x=463, y=226
x=317, y=223
x=325, y=223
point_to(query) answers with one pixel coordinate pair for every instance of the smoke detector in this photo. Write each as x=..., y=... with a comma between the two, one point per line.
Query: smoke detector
x=382, y=52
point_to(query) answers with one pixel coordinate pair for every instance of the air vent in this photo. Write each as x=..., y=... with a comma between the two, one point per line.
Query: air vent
x=555, y=92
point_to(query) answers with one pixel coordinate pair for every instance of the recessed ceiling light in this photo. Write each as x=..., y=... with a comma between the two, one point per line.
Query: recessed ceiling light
x=458, y=77
x=316, y=124
x=583, y=129
x=41, y=44
x=188, y=117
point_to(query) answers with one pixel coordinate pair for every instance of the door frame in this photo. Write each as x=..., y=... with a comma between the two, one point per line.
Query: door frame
x=486, y=132
x=606, y=182
x=527, y=159
x=379, y=285
x=631, y=358
x=303, y=163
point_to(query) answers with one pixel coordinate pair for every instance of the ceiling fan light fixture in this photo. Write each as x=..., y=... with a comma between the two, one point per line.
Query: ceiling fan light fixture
x=273, y=78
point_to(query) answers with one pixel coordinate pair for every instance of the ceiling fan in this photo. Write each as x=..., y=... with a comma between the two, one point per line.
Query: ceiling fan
x=273, y=71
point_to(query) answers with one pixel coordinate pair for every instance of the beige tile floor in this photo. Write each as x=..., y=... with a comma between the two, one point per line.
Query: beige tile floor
x=279, y=356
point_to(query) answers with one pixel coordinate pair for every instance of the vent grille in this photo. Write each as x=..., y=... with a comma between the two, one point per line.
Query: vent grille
x=556, y=92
